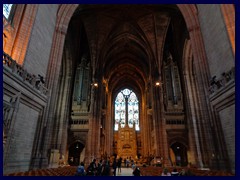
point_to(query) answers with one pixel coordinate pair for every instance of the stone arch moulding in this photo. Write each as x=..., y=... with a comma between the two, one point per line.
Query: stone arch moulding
x=76, y=141
x=178, y=140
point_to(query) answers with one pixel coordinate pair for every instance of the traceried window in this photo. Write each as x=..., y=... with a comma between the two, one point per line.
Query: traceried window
x=7, y=10
x=126, y=108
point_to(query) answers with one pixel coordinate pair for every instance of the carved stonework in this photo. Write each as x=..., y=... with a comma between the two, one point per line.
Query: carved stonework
x=127, y=142
x=34, y=81
x=223, y=81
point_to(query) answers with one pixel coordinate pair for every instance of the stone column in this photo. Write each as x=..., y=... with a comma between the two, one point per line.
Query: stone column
x=202, y=76
x=52, y=84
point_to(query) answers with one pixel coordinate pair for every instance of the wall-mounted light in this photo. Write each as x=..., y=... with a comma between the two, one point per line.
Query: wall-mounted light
x=158, y=83
x=95, y=84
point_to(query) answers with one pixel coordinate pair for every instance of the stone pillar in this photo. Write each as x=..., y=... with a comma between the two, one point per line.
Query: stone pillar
x=158, y=133
x=202, y=87
x=52, y=84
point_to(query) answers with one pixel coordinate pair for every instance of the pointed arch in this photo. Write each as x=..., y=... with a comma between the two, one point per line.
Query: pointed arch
x=65, y=12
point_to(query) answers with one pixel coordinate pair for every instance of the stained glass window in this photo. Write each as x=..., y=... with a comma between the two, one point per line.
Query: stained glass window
x=126, y=100
x=6, y=10
x=119, y=111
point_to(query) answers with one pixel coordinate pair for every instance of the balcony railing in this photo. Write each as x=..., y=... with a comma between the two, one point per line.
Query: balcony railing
x=175, y=121
x=34, y=81
x=78, y=124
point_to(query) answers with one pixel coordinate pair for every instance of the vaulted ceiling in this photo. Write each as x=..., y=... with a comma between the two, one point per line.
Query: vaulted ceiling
x=125, y=42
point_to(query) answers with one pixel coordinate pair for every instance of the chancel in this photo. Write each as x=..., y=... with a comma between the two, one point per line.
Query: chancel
x=150, y=83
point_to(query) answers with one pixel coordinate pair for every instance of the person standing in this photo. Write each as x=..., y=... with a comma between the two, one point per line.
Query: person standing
x=91, y=170
x=105, y=168
x=119, y=164
x=174, y=172
x=127, y=162
x=81, y=170
x=114, y=166
x=165, y=172
x=99, y=168
x=136, y=171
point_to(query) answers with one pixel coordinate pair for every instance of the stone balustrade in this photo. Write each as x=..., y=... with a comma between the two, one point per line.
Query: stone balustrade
x=220, y=83
x=34, y=81
x=79, y=124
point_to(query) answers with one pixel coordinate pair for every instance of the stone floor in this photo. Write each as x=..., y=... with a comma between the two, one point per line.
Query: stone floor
x=125, y=172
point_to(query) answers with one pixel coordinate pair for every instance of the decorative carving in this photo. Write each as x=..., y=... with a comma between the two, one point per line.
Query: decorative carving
x=127, y=142
x=37, y=83
x=126, y=146
x=216, y=84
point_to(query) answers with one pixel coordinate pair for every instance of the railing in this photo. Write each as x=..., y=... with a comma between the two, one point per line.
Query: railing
x=79, y=121
x=226, y=78
x=175, y=121
x=79, y=124
x=34, y=81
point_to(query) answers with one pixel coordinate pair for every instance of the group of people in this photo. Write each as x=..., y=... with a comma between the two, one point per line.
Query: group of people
x=101, y=168
x=105, y=167
x=176, y=173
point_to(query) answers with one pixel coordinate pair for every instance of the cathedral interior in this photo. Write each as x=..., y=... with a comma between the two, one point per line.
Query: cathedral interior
x=140, y=81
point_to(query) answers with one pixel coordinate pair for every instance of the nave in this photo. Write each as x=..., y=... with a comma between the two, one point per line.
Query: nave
x=143, y=82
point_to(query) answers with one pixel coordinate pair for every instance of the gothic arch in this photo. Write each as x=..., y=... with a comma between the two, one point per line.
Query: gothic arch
x=64, y=15
x=189, y=13
x=178, y=139
x=66, y=11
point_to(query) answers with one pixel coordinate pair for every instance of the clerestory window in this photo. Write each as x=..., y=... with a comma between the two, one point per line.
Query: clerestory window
x=7, y=10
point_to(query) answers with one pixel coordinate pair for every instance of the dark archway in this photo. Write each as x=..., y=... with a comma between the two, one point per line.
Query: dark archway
x=180, y=152
x=74, y=153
